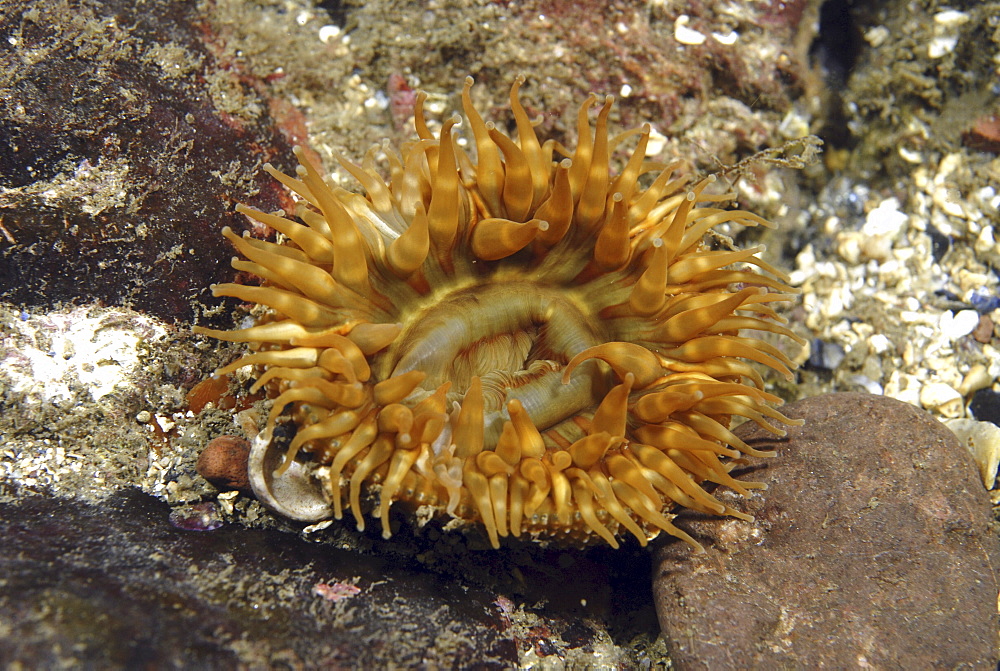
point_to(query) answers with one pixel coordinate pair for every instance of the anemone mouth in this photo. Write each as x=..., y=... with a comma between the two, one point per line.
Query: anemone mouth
x=516, y=337
x=538, y=346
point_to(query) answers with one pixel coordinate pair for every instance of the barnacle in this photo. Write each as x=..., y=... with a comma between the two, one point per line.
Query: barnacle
x=525, y=341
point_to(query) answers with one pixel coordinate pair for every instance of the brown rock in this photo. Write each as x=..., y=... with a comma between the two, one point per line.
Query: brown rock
x=223, y=462
x=984, y=330
x=872, y=548
x=984, y=134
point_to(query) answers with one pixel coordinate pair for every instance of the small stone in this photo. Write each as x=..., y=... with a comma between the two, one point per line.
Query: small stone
x=223, y=462
x=984, y=134
x=951, y=18
x=954, y=325
x=977, y=378
x=941, y=45
x=826, y=355
x=871, y=548
x=983, y=332
x=983, y=299
x=985, y=406
x=982, y=439
x=942, y=398
x=885, y=220
x=197, y=517
x=686, y=35
x=877, y=36
x=329, y=32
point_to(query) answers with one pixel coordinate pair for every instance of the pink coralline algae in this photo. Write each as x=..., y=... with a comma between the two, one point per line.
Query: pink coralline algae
x=336, y=591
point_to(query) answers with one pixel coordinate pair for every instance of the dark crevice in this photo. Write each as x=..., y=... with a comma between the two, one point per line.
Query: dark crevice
x=834, y=53
x=336, y=9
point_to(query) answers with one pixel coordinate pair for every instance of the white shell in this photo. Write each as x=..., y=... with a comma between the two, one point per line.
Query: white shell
x=983, y=441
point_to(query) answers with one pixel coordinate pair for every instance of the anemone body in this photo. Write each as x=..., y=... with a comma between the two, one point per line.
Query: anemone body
x=511, y=338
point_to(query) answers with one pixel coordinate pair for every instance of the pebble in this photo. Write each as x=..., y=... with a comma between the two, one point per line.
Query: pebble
x=984, y=134
x=885, y=220
x=686, y=35
x=982, y=439
x=872, y=549
x=955, y=325
x=942, y=398
x=983, y=332
x=985, y=406
x=202, y=516
x=223, y=462
x=983, y=300
x=977, y=378
x=826, y=355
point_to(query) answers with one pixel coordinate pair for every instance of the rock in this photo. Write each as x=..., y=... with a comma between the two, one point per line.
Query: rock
x=985, y=406
x=984, y=134
x=984, y=330
x=223, y=462
x=872, y=547
x=115, y=586
x=129, y=583
x=124, y=151
x=982, y=439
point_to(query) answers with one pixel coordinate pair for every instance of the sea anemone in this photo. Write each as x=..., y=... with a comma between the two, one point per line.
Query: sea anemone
x=527, y=342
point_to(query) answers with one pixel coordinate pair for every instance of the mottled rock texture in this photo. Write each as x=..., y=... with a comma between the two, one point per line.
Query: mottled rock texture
x=116, y=587
x=126, y=143
x=872, y=546
x=127, y=583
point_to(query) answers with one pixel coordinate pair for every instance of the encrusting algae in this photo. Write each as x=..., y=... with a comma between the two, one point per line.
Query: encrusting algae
x=531, y=343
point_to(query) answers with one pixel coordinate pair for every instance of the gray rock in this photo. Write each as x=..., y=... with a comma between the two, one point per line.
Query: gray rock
x=117, y=587
x=873, y=547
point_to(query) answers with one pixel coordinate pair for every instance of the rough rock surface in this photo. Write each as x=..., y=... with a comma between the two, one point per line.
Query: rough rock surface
x=126, y=143
x=872, y=549
x=122, y=584
x=116, y=586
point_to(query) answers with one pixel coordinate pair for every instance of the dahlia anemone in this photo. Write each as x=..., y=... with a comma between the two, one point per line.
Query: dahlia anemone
x=534, y=344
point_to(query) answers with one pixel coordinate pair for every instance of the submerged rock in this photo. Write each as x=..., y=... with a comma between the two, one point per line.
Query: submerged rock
x=117, y=586
x=223, y=462
x=128, y=584
x=125, y=148
x=872, y=546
